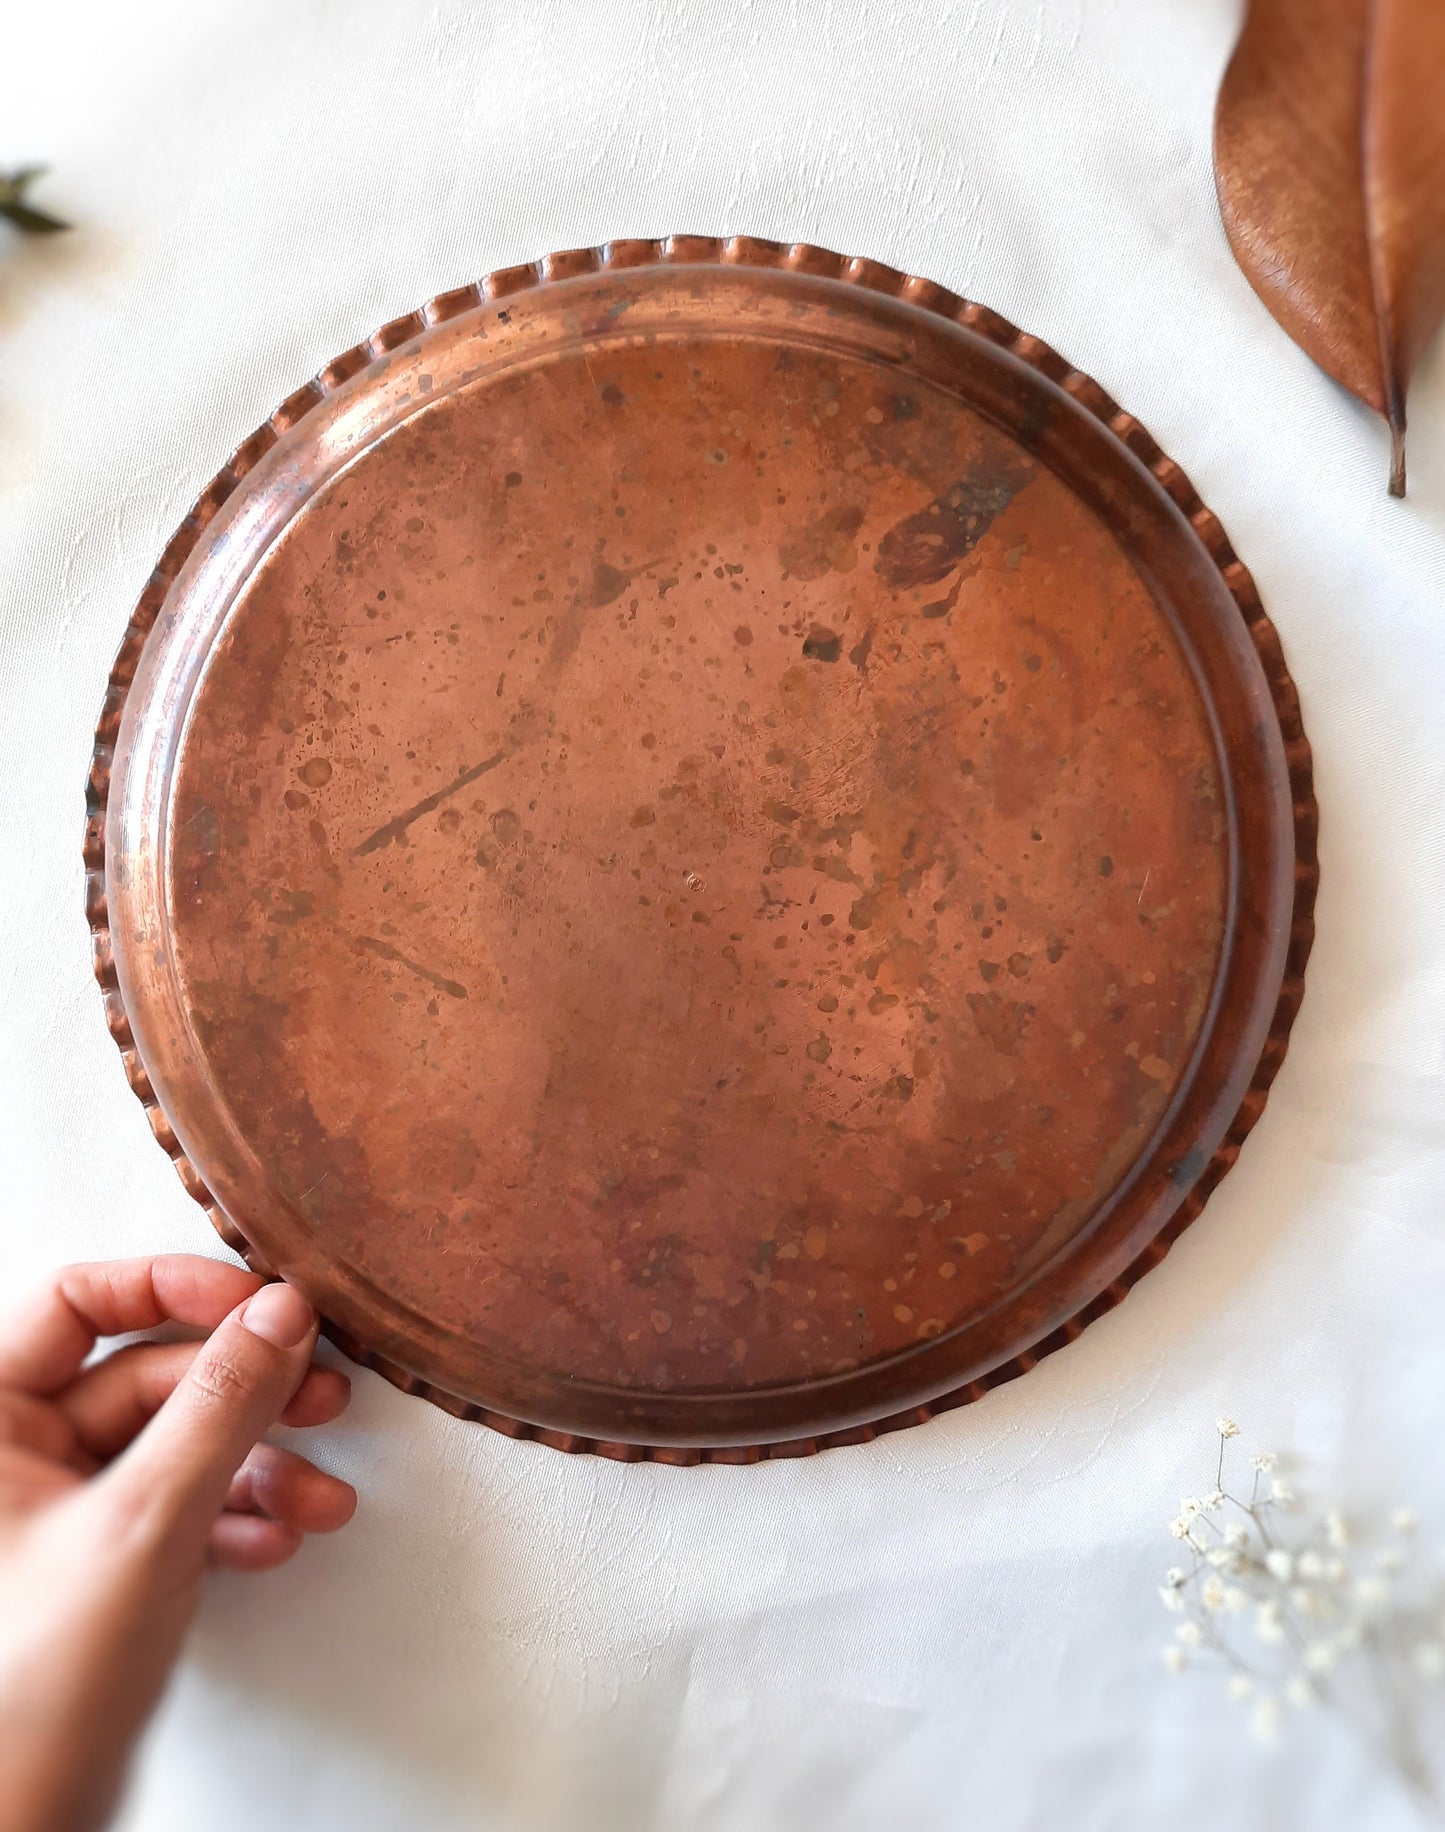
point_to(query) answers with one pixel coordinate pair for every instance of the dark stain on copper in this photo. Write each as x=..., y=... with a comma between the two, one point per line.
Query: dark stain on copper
x=942, y=606
x=297, y=907
x=610, y=582
x=394, y=829
x=821, y=645
x=924, y=547
x=384, y=950
x=824, y=545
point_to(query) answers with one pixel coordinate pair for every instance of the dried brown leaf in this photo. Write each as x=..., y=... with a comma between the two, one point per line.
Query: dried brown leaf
x=1329, y=155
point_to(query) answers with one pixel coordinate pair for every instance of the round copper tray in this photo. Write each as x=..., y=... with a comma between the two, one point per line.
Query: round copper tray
x=706, y=845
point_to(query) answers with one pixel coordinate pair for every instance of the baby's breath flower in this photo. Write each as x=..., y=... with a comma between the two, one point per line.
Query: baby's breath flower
x=1311, y=1605
x=1430, y=1660
x=1266, y=1719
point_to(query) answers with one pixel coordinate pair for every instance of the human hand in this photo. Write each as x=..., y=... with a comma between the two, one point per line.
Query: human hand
x=119, y=1483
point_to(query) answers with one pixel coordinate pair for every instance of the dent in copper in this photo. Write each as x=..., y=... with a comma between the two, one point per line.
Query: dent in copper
x=700, y=856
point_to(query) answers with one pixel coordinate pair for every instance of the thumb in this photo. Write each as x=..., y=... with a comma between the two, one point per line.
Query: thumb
x=173, y=1479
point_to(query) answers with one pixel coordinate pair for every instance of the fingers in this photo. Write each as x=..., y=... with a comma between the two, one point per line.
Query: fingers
x=247, y=1542
x=29, y=1424
x=286, y=1488
x=109, y=1404
x=45, y=1345
x=170, y=1485
x=275, y=1499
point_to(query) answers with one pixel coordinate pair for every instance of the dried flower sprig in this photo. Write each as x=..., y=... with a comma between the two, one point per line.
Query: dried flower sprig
x=15, y=209
x=1306, y=1617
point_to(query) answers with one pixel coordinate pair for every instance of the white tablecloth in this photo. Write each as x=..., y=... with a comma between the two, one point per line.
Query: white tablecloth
x=954, y=1627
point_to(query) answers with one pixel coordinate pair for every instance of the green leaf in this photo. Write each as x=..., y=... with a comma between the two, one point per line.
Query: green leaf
x=13, y=186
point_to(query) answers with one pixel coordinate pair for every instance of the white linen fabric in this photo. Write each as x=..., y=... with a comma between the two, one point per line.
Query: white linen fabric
x=955, y=1627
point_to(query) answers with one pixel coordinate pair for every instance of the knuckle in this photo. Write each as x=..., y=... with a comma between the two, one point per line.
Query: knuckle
x=220, y=1377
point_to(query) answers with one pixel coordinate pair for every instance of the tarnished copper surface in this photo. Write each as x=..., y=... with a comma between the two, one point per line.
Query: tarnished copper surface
x=701, y=853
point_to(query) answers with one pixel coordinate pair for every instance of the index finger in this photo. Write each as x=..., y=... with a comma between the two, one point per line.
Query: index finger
x=44, y=1344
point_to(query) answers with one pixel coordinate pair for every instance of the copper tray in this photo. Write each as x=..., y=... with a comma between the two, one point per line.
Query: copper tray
x=706, y=845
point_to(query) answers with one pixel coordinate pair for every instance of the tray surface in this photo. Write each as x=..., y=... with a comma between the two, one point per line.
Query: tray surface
x=700, y=851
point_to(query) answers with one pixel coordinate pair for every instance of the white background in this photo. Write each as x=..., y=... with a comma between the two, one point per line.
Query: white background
x=955, y=1627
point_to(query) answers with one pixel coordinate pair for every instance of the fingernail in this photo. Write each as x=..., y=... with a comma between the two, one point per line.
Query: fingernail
x=279, y=1315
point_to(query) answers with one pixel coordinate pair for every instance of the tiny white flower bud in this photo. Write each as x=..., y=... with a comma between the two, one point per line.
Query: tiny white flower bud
x=1430, y=1660
x=1174, y=1577
x=1373, y=1592
x=1226, y=1428
x=1281, y=1493
x=1214, y=1499
x=1336, y=1532
x=1300, y=1693
x=1236, y=1536
x=1211, y=1594
x=1190, y=1634
x=1311, y=1566
x=1179, y=1527
x=1189, y=1507
x=1241, y=1688
x=1320, y=1657
x=1279, y=1564
x=1267, y=1623
x=1264, y=1462
x=1173, y=1600
x=1220, y=1557
x=1404, y=1520
x=1266, y=1719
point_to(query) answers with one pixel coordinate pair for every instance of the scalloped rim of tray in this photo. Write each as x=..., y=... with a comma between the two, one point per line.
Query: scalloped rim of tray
x=738, y=251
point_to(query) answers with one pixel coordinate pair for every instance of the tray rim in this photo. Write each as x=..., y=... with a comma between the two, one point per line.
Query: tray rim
x=803, y=258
